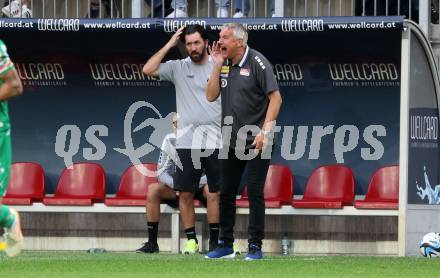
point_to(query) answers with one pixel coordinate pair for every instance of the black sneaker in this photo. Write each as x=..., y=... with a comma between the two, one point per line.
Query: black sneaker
x=212, y=245
x=148, y=247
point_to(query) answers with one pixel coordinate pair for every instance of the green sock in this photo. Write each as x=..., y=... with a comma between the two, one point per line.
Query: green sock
x=6, y=217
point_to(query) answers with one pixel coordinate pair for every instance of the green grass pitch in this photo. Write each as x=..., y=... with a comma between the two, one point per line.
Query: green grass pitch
x=82, y=264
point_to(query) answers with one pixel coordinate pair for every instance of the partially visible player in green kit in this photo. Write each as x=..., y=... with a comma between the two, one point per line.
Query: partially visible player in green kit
x=10, y=86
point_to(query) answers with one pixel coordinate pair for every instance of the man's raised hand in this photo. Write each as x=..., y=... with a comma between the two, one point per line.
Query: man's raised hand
x=175, y=38
x=216, y=54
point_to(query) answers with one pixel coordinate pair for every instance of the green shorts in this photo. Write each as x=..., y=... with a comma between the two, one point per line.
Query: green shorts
x=5, y=160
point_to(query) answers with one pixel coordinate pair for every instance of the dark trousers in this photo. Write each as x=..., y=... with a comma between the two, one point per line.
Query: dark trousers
x=232, y=170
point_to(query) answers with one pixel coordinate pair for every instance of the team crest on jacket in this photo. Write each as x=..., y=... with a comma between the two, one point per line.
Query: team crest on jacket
x=224, y=83
x=244, y=72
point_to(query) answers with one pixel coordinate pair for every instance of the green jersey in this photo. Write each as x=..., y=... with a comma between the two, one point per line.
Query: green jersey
x=5, y=66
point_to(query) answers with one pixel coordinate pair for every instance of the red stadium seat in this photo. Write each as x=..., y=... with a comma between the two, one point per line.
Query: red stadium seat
x=133, y=187
x=26, y=184
x=383, y=190
x=329, y=186
x=82, y=184
x=278, y=188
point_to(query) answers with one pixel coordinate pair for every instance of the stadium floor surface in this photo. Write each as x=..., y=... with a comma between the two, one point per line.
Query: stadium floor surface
x=82, y=264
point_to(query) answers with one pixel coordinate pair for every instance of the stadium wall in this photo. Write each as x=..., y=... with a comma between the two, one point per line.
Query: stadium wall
x=310, y=235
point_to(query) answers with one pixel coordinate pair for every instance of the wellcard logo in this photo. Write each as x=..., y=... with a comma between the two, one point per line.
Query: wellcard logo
x=424, y=128
x=171, y=26
x=124, y=75
x=41, y=74
x=289, y=75
x=364, y=75
x=302, y=25
x=58, y=25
